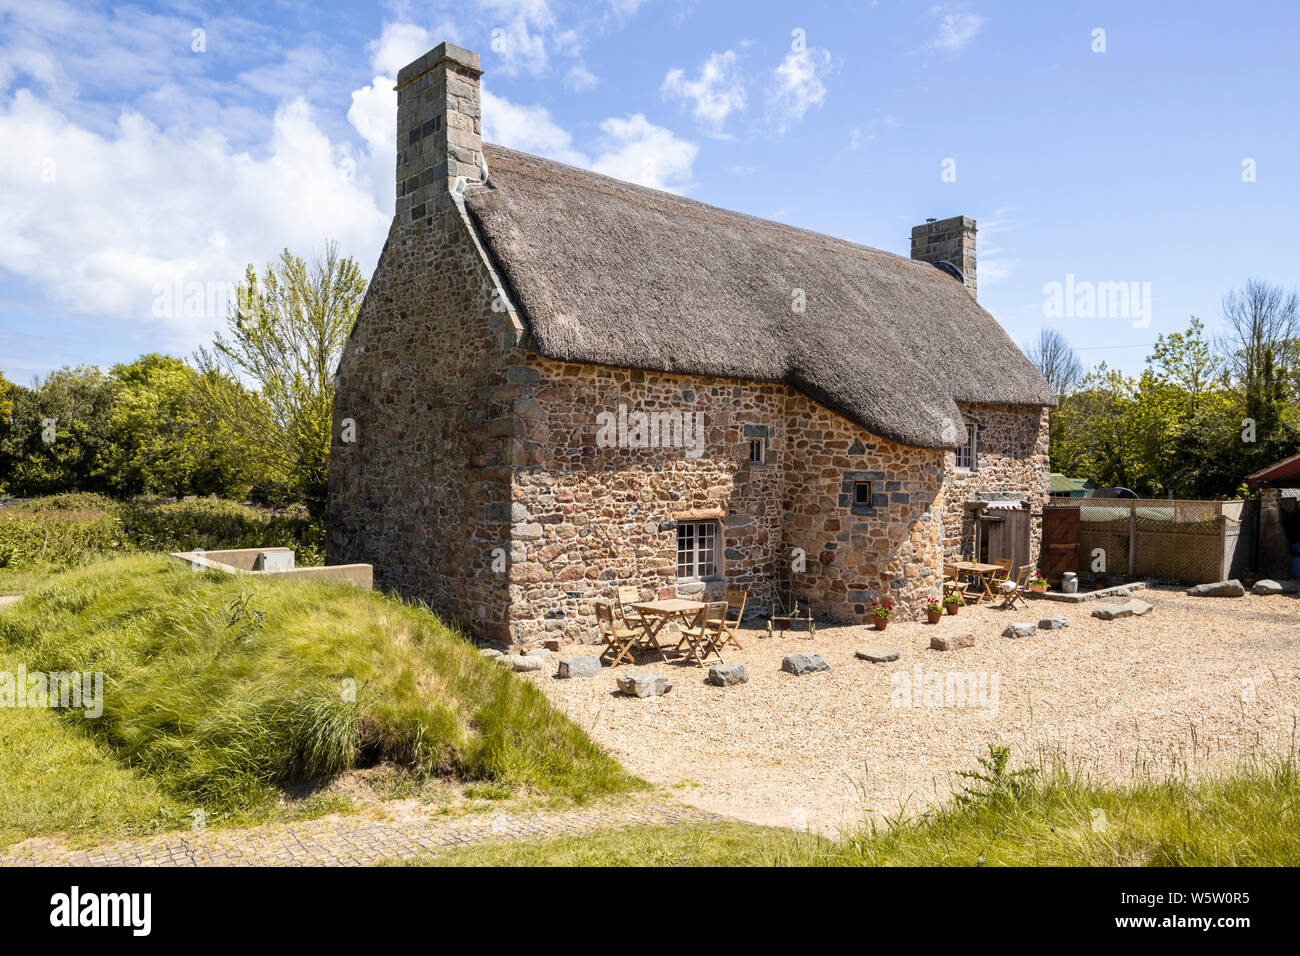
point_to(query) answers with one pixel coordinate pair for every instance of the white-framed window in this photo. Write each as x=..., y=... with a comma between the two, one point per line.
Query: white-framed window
x=757, y=451
x=697, y=550
x=966, y=453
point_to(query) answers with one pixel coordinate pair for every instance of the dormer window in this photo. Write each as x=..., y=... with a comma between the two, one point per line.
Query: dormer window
x=966, y=453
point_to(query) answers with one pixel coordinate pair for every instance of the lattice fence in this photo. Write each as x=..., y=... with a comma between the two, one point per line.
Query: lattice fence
x=1170, y=540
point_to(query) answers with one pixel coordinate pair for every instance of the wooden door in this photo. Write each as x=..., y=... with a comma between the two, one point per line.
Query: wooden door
x=1005, y=534
x=1060, y=543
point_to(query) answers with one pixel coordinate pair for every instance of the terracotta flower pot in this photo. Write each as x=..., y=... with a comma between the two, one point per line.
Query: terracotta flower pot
x=880, y=622
x=1038, y=588
x=952, y=608
x=933, y=616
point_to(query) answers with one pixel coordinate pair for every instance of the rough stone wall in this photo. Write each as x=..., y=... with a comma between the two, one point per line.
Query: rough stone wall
x=855, y=554
x=423, y=493
x=1011, y=461
x=590, y=516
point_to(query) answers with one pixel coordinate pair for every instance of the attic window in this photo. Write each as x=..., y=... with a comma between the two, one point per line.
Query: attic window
x=757, y=452
x=966, y=453
x=862, y=492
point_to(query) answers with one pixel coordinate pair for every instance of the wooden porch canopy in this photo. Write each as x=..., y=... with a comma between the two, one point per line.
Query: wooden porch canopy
x=1283, y=474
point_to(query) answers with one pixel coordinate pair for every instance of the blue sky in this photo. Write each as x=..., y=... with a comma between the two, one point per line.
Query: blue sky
x=141, y=160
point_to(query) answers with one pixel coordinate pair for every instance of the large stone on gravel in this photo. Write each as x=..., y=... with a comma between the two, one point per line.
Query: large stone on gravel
x=644, y=684
x=1267, y=586
x=806, y=663
x=521, y=663
x=537, y=652
x=489, y=652
x=1140, y=607
x=724, y=675
x=878, y=654
x=1021, y=629
x=1111, y=612
x=579, y=667
x=1231, y=588
x=950, y=642
x=1054, y=623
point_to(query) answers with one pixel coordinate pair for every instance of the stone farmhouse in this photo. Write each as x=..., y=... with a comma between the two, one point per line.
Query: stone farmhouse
x=559, y=383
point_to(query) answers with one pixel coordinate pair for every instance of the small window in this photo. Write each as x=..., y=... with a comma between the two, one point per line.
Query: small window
x=966, y=453
x=862, y=492
x=697, y=550
x=757, y=452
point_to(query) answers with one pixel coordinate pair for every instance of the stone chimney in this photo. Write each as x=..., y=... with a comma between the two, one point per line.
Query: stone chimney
x=439, y=139
x=948, y=240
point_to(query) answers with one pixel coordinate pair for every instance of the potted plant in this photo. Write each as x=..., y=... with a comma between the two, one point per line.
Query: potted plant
x=881, y=613
x=933, y=610
x=1249, y=577
x=1038, y=584
x=952, y=602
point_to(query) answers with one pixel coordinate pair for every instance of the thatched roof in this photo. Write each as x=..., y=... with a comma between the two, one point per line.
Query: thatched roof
x=607, y=273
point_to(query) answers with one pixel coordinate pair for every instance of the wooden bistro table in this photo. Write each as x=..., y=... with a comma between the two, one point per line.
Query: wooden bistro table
x=982, y=573
x=655, y=614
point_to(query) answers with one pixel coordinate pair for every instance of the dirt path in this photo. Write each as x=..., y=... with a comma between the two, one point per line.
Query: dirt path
x=343, y=841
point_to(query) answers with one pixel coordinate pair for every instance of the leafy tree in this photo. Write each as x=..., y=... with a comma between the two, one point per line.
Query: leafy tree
x=163, y=439
x=57, y=433
x=6, y=404
x=286, y=335
x=1186, y=361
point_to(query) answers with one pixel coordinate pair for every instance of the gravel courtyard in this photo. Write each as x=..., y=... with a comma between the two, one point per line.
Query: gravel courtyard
x=1197, y=682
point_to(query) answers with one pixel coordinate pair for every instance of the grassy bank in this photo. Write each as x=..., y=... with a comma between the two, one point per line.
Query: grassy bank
x=1250, y=817
x=219, y=689
x=66, y=531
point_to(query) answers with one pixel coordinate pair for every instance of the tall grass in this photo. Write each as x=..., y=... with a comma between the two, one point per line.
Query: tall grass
x=1248, y=816
x=223, y=688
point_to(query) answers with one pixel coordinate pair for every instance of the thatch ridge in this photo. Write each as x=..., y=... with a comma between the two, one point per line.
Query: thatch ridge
x=608, y=273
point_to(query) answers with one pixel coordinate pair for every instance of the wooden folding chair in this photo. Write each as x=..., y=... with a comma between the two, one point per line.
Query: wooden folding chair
x=735, y=601
x=951, y=580
x=618, y=640
x=1013, y=591
x=705, y=636
x=629, y=594
x=1005, y=573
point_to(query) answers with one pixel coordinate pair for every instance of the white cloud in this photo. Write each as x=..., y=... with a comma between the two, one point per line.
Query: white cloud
x=580, y=79
x=875, y=129
x=797, y=86
x=518, y=33
x=527, y=128
x=103, y=221
x=957, y=28
x=636, y=150
x=716, y=93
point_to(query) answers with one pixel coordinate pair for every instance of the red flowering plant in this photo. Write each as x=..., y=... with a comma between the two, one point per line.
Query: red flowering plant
x=885, y=610
x=933, y=606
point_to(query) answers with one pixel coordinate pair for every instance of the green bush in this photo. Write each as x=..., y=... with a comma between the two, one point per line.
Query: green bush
x=223, y=687
x=68, y=530
x=215, y=525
